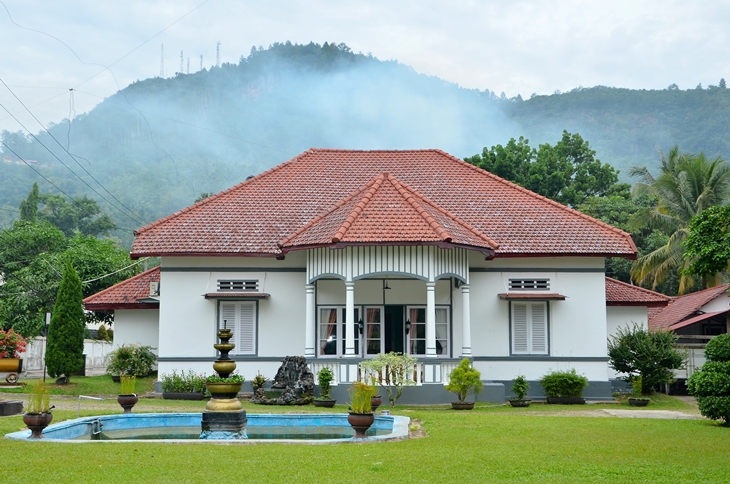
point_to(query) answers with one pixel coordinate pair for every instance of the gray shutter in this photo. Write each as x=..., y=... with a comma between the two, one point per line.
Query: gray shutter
x=228, y=314
x=519, y=328
x=247, y=329
x=538, y=325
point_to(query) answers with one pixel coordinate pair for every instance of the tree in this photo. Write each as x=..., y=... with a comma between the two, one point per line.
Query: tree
x=568, y=172
x=711, y=383
x=29, y=206
x=651, y=354
x=687, y=185
x=708, y=243
x=393, y=371
x=65, y=345
x=75, y=215
x=722, y=84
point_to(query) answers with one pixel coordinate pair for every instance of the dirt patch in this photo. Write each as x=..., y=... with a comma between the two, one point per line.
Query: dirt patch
x=415, y=429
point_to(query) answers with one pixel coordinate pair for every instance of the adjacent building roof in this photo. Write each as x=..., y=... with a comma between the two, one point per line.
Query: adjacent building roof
x=427, y=197
x=684, y=307
x=133, y=293
x=622, y=294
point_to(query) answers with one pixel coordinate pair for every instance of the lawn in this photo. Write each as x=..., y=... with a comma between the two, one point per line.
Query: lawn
x=493, y=443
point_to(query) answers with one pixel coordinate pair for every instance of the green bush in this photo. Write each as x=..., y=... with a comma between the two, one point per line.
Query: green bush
x=184, y=382
x=520, y=387
x=360, y=397
x=101, y=333
x=131, y=360
x=564, y=384
x=464, y=379
x=711, y=383
x=325, y=377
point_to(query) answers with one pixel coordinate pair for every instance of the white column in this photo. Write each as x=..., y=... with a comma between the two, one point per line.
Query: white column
x=311, y=330
x=430, y=320
x=350, y=319
x=465, y=322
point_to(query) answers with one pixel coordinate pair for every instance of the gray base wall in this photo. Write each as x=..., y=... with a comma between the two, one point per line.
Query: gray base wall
x=596, y=390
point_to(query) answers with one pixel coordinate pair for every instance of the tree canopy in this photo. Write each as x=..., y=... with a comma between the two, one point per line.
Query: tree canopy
x=65, y=344
x=707, y=247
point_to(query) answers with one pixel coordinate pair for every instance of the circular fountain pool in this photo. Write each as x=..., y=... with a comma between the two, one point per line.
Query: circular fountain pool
x=185, y=427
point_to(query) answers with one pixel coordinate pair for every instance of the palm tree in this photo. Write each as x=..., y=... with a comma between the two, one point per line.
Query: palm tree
x=687, y=184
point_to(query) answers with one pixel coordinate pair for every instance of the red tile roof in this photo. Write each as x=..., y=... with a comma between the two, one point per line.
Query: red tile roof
x=685, y=306
x=252, y=218
x=696, y=319
x=622, y=294
x=126, y=294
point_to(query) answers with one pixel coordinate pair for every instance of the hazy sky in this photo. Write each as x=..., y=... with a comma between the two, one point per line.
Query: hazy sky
x=516, y=47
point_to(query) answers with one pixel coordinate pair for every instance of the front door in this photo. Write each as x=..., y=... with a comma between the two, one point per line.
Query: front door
x=394, y=331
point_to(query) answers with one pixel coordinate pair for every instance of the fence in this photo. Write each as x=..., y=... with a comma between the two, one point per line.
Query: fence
x=96, y=354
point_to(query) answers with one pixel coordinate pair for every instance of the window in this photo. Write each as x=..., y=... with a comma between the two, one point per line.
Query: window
x=373, y=331
x=529, y=284
x=240, y=317
x=331, y=326
x=238, y=285
x=529, y=328
x=417, y=335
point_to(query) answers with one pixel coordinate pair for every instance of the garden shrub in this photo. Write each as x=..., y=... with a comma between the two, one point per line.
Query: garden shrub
x=183, y=382
x=131, y=360
x=711, y=383
x=564, y=384
x=464, y=379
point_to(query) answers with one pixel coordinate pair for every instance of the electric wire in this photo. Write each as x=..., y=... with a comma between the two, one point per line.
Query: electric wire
x=38, y=172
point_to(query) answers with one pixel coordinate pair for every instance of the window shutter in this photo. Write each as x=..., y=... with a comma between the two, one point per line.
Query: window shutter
x=228, y=314
x=538, y=325
x=519, y=328
x=247, y=329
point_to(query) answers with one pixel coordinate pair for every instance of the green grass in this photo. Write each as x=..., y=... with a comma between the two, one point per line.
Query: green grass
x=493, y=443
x=83, y=385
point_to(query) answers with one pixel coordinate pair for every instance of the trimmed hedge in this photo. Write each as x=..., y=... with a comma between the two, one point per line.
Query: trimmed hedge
x=564, y=384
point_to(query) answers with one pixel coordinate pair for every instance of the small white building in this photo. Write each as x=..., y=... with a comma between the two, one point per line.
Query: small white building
x=339, y=255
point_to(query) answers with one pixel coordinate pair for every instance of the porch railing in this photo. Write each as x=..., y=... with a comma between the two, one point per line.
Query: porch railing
x=347, y=371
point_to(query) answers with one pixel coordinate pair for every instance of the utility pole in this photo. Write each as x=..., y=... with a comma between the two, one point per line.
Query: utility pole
x=218, y=54
x=181, y=62
x=162, y=60
x=201, y=62
x=188, y=71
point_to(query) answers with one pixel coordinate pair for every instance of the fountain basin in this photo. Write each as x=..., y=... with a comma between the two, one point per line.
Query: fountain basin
x=185, y=427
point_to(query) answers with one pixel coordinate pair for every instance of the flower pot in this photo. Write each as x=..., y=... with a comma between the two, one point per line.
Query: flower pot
x=116, y=378
x=182, y=395
x=324, y=403
x=36, y=422
x=224, y=390
x=566, y=400
x=639, y=402
x=361, y=422
x=376, y=401
x=13, y=365
x=520, y=402
x=127, y=401
x=462, y=405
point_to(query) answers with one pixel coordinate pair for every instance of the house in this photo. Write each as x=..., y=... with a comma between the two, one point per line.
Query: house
x=338, y=255
x=695, y=318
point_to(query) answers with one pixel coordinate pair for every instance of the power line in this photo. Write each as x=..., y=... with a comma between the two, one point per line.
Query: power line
x=9, y=210
x=31, y=167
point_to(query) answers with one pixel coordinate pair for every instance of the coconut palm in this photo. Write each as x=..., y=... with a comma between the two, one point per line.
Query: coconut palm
x=687, y=184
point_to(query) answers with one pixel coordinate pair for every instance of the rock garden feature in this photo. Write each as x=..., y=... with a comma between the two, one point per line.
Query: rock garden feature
x=293, y=385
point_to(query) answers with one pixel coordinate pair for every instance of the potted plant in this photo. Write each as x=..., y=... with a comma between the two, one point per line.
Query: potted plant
x=131, y=360
x=183, y=386
x=258, y=382
x=519, y=390
x=12, y=345
x=636, y=399
x=38, y=415
x=361, y=416
x=224, y=388
x=564, y=387
x=393, y=371
x=128, y=398
x=325, y=377
x=463, y=380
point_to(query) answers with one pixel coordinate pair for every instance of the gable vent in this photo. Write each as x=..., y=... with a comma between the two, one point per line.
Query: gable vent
x=238, y=285
x=529, y=284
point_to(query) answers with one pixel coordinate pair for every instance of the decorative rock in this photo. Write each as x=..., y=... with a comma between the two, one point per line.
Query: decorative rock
x=293, y=384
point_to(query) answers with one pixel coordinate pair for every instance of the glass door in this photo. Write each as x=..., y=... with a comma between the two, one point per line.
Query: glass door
x=332, y=328
x=417, y=336
x=373, y=331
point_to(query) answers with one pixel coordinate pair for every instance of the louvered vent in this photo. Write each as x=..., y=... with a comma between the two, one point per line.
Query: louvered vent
x=238, y=285
x=529, y=284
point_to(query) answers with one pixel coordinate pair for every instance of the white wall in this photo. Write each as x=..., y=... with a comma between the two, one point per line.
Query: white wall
x=624, y=317
x=136, y=326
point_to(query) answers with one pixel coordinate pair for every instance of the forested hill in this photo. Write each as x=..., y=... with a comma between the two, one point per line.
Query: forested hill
x=159, y=143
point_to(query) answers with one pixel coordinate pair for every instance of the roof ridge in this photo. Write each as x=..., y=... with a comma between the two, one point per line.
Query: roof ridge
x=359, y=207
x=492, y=243
x=125, y=281
x=219, y=194
x=542, y=197
x=639, y=288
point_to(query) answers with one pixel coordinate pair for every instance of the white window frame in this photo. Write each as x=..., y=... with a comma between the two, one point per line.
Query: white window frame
x=244, y=324
x=446, y=347
x=529, y=324
x=366, y=323
x=340, y=351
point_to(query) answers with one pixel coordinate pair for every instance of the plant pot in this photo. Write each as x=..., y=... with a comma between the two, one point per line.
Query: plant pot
x=127, y=401
x=36, y=422
x=566, y=400
x=520, y=402
x=361, y=422
x=116, y=378
x=324, y=403
x=13, y=365
x=376, y=401
x=639, y=402
x=224, y=390
x=182, y=395
x=462, y=405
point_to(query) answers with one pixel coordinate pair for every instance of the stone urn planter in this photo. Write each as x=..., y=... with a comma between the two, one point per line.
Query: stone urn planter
x=127, y=401
x=324, y=403
x=36, y=422
x=639, y=402
x=376, y=401
x=361, y=422
x=520, y=402
x=462, y=405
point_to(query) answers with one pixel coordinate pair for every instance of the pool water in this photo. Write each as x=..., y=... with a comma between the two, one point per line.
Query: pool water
x=258, y=433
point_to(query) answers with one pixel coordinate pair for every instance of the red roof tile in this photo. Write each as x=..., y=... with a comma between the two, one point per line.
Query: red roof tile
x=252, y=218
x=621, y=294
x=685, y=306
x=126, y=294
